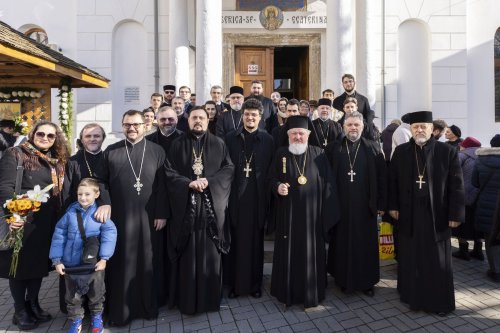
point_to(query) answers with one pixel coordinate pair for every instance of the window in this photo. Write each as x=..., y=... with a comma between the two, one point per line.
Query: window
x=497, y=75
x=38, y=35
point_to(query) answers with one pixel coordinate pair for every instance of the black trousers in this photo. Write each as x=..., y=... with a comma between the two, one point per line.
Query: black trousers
x=95, y=296
x=24, y=290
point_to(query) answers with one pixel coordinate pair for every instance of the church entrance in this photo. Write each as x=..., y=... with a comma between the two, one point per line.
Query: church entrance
x=284, y=69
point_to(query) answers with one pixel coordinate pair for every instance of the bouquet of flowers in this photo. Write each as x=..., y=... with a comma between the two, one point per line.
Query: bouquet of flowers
x=20, y=206
x=21, y=126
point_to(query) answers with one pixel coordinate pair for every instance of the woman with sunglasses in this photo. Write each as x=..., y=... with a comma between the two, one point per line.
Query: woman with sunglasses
x=43, y=157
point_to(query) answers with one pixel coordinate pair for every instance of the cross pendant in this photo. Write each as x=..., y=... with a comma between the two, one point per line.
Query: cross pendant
x=138, y=185
x=325, y=143
x=247, y=170
x=351, y=173
x=420, y=182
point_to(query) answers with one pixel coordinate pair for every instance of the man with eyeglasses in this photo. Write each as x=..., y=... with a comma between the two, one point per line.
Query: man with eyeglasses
x=185, y=94
x=168, y=94
x=251, y=150
x=167, y=131
x=232, y=119
x=426, y=198
x=136, y=183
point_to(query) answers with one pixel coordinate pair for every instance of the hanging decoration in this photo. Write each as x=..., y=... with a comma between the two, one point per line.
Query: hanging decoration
x=66, y=107
x=19, y=94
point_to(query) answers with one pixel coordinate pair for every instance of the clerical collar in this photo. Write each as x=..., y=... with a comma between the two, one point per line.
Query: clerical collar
x=166, y=135
x=91, y=153
x=323, y=120
x=197, y=137
x=134, y=143
x=247, y=132
x=351, y=94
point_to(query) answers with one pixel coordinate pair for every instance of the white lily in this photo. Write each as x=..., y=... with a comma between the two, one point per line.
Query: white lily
x=39, y=195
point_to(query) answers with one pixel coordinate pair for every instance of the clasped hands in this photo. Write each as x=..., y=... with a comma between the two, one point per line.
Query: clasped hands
x=199, y=184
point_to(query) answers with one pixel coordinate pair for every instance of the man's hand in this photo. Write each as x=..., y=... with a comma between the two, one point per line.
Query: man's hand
x=199, y=184
x=101, y=265
x=103, y=213
x=394, y=214
x=283, y=189
x=454, y=224
x=160, y=224
x=60, y=269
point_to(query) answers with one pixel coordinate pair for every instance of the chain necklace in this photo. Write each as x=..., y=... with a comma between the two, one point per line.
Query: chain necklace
x=247, y=166
x=234, y=123
x=301, y=179
x=420, y=180
x=86, y=162
x=197, y=163
x=351, y=164
x=325, y=142
x=138, y=185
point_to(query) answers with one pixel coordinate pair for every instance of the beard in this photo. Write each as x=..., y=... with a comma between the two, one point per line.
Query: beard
x=297, y=148
x=236, y=106
x=353, y=136
x=197, y=132
x=421, y=141
x=167, y=130
x=179, y=112
x=324, y=117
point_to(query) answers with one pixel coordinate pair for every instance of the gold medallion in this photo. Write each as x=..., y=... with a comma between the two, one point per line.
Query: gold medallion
x=302, y=180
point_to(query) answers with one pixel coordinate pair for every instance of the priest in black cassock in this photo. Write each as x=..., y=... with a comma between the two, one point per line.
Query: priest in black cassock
x=251, y=150
x=359, y=170
x=232, y=119
x=306, y=209
x=199, y=173
x=136, y=180
x=167, y=128
x=88, y=162
x=426, y=197
x=326, y=129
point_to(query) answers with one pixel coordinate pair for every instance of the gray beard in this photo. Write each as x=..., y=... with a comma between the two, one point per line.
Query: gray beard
x=297, y=148
x=236, y=107
x=353, y=137
x=167, y=131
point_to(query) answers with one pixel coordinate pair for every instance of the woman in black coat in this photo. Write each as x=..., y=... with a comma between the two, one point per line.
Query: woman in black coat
x=43, y=158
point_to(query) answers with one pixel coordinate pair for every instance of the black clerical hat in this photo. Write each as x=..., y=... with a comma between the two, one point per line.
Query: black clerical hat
x=406, y=118
x=236, y=90
x=420, y=117
x=455, y=130
x=7, y=123
x=325, y=101
x=297, y=122
x=168, y=87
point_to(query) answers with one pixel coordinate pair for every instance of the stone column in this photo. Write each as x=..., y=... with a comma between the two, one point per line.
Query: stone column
x=208, y=47
x=339, y=41
x=178, y=44
x=365, y=49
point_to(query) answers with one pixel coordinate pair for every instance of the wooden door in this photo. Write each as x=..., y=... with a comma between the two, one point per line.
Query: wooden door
x=254, y=63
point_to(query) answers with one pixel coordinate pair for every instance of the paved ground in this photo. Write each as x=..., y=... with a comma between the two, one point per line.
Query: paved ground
x=477, y=299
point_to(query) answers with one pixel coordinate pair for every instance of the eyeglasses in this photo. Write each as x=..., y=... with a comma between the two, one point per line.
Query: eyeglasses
x=169, y=92
x=125, y=125
x=41, y=135
x=170, y=119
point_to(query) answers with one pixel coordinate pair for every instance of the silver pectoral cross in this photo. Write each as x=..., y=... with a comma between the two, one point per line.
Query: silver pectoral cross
x=247, y=170
x=351, y=173
x=420, y=182
x=325, y=143
x=138, y=185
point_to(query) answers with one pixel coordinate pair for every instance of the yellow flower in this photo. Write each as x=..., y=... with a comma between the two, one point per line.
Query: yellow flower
x=11, y=205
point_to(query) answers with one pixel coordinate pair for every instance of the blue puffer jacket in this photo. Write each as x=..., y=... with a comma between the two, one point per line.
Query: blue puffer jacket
x=488, y=160
x=67, y=244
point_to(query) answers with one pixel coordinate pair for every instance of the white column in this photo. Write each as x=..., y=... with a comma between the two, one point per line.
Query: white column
x=178, y=44
x=208, y=47
x=365, y=49
x=339, y=41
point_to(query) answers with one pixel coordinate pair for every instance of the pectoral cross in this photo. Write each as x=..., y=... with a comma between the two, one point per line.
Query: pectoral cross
x=351, y=173
x=247, y=170
x=325, y=143
x=138, y=185
x=420, y=182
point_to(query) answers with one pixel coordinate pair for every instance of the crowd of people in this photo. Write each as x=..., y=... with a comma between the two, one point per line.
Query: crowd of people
x=180, y=207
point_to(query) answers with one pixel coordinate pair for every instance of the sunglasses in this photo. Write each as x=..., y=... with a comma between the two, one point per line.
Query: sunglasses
x=41, y=135
x=169, y=92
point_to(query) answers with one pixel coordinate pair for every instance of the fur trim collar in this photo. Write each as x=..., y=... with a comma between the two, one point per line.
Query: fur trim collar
x=488, y=151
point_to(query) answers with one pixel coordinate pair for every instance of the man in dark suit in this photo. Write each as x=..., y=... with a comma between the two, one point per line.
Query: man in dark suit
x=220, y=106
x=269, y=120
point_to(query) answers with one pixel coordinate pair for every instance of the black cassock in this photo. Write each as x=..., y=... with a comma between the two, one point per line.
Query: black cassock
x=303, y=220
x=327, y=131
x=425, y=275
x=162, y=140
x=248, y=209
x=353, y=258
x=135, y=272
x=195, y=281
x=229, y=121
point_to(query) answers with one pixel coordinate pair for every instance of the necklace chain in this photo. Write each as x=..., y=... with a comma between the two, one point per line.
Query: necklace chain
x=86, y=162
x=351, y=164
x=138, y=183
x=325, y=137
x=232, y=118
x=303, y=166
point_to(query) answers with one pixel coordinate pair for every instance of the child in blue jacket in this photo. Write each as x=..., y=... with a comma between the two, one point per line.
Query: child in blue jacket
x=66, y=252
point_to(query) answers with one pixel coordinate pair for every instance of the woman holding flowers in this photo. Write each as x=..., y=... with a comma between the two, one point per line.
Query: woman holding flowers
x=43, y=157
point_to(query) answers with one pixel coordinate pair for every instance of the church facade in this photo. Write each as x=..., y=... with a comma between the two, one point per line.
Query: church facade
x=407, y=55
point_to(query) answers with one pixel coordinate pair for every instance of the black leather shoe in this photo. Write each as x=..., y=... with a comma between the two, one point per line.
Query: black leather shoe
x=37, y=312
x=369, y=292
x=256, y=294
x=24, y=321
x=232, y=294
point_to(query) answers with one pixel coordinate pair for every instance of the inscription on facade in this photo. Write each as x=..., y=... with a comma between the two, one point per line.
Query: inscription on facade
x=291, y=20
